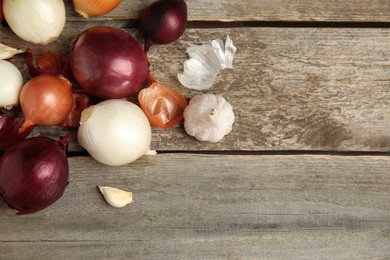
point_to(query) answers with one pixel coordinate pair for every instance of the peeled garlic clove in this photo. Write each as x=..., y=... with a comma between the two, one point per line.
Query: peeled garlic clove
x=208, y=117
x=94, y=8
x=116, y=197
x=7, y=52
x=205, y=63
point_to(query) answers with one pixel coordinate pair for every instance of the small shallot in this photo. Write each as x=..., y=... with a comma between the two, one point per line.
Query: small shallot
x=208, y=117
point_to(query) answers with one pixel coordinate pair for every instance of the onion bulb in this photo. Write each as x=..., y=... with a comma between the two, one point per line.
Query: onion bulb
x=94, y=8
x=39, y=22
x=11, y=84
x=164, y=22
x=46, y=100
x=34, y=173
x=108, y=62
x=163, y=106
x=115, y=132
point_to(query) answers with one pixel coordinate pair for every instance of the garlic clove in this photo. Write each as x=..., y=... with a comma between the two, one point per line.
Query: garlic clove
x=116, y=197
x=89, y=9
x=208, y=117
x=205, y=63
x=7, y=52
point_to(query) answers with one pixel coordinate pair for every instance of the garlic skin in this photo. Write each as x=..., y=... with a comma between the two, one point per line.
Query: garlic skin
x=7, y=52
x=93, y=8
x=208, y=117
x=205, y=62
x=38, y=22
x=11, y=84
x=116, y=197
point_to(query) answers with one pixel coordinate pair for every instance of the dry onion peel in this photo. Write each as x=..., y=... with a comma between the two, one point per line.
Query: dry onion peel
x=205, y=62
x=162, y=106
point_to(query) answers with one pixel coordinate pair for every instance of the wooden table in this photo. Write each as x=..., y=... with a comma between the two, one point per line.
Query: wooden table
x=303, y=175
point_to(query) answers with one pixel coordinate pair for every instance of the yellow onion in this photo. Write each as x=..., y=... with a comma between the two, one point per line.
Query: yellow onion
x=46, y=100
x=94, y=7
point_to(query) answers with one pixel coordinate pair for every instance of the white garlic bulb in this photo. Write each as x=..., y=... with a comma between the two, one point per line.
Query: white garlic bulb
x=208, y=117
x=116, y=197
x=205, y=63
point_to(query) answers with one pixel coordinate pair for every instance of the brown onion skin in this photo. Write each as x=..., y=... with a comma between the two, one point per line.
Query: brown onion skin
x=46, y=100
x=90, y=8
x=108, y=62
x=34, y=174
x=164, y=22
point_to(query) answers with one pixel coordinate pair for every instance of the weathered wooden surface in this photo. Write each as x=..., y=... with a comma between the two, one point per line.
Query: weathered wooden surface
x=291, y=88
x=294, y=89
x=229, y=207
x=261, y=10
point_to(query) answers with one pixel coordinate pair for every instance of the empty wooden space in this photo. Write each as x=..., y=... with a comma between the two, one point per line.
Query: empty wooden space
x=305, y=172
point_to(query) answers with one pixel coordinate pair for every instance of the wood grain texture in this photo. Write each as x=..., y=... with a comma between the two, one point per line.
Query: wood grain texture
x=291, y=88
x=213, y=207
x=259, y=10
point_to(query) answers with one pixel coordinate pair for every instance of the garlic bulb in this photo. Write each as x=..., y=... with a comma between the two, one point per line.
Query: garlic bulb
x=205, y=63
x=11, y=84
x=116, y=197
x=39, y=22
x=7, y=52
x=208, y=117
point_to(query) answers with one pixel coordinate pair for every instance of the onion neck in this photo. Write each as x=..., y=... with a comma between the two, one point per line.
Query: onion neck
x=147, y=45
x=25, y=126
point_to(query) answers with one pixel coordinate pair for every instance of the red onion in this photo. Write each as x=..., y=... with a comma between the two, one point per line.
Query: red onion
x=108, y=62
x=164, y=22
x=34, y=173
x=9, y=131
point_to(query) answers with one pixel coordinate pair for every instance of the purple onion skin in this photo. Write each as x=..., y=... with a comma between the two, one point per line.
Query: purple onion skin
x=108, y=62
x=164, y=22
x=9, y=131
x=34, y=173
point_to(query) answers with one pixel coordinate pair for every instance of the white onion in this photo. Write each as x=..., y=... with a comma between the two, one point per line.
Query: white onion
x=10, y=85
x=35, y=21
x=115, y=132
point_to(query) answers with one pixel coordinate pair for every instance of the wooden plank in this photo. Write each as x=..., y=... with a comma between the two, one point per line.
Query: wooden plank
x=259, y=10
x=291, y=88
x=211, y=206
